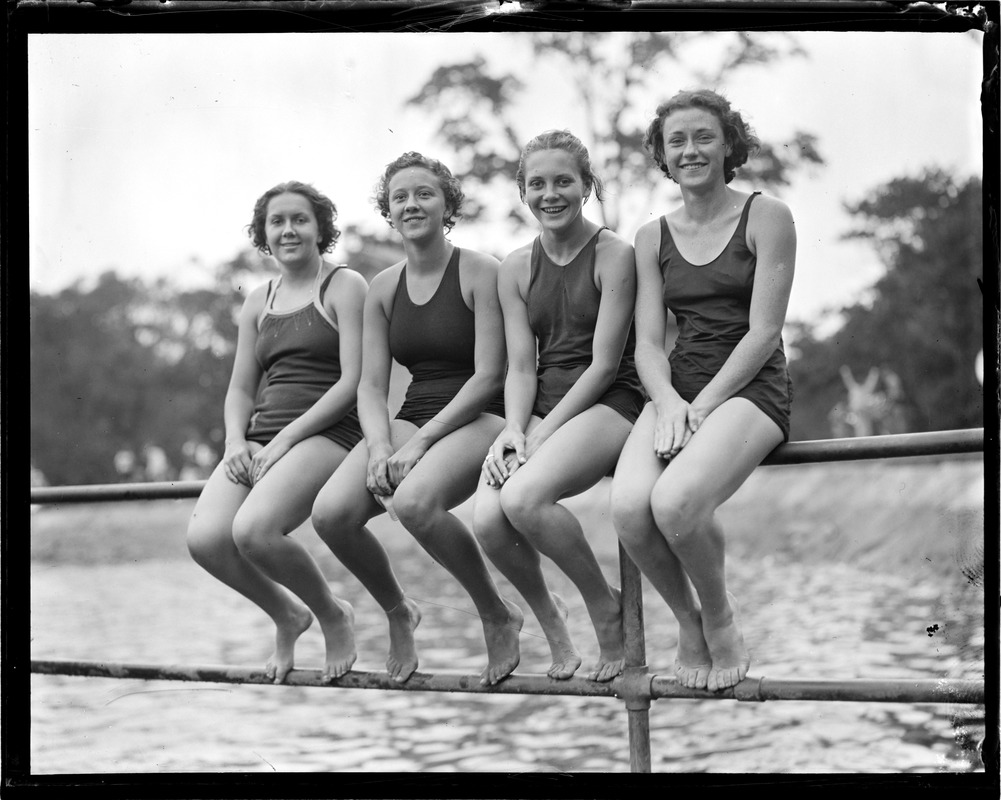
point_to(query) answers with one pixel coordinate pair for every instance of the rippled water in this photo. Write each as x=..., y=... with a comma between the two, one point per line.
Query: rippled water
x=150, y=604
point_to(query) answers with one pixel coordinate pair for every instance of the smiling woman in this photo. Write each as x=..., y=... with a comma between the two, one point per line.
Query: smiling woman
x=722, y=263
x=436, y=313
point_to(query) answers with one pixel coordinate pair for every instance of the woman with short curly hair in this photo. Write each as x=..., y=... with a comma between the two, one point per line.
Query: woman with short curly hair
x=436, y=313
x=722, y=263
x=290, y=421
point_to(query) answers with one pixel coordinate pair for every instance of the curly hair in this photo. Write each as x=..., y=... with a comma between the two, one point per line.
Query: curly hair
x=566, y=141
x=736, y=133
x=323, y=209
x=450, y=186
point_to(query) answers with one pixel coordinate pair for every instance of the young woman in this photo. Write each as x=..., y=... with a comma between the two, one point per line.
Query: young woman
x=568, y=296
x=302, y=333
x=436, y=312
x=722, y=263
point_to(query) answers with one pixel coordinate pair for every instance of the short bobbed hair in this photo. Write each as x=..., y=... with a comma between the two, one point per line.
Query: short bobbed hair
x=566, y=141
x=736, y=133
x=323, y=209
x=450, y=186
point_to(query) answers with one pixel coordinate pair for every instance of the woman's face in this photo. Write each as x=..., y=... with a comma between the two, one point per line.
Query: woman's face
x=417, y=205
x=291, y=228
x=554, y=188
x=694, y=147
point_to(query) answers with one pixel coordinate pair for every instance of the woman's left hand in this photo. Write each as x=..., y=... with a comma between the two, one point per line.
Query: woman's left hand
x=267, y=457
x=696, y=415
x=404, y=460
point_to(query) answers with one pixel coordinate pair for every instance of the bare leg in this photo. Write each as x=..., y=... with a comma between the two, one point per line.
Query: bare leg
x=446, y=476
x=340, y=512
x=519, y=562
x=731, y=442
x=573, y=459
x=275, y=507
x=637, y=472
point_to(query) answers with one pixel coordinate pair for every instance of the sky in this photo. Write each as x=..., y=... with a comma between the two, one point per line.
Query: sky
x=146, y=152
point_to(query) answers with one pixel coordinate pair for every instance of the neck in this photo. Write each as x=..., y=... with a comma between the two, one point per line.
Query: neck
x=706, y=206
x=302, y=273
x=427, y=255
x=564, y=244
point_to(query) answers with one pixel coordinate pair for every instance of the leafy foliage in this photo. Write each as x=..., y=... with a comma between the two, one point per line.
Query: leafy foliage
x=127, y=364
x=613, y=74
x=923, y=320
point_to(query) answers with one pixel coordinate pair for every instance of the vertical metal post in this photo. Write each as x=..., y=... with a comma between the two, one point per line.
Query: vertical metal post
x=638, y=708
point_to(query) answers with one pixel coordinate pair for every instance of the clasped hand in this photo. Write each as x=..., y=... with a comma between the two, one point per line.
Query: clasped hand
x=386, y=469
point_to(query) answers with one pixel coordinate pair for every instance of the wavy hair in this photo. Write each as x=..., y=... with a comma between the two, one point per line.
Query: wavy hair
x=323, y=209
x=736, y=133
x=450, y=186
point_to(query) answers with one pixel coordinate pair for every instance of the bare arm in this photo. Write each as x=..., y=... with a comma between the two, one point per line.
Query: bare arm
x=772, y=237
x=242, y=390
x=373, y=387
x=522, y=381
x=671, y=432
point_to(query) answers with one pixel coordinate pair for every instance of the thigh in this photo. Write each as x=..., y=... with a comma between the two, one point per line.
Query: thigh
x=451, y=467
x=285, y=495
x=575, y=457
x=638, y=467
x=217, y=504
x=346, y=492
x=729, y=445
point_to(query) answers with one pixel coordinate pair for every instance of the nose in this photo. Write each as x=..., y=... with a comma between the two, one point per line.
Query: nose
x=287, y=229
x=689, y=148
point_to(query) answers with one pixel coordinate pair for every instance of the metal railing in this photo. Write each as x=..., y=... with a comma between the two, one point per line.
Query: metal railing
x=636, y=686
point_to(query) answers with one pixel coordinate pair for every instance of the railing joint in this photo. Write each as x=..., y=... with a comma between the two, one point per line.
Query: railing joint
x=634, y=686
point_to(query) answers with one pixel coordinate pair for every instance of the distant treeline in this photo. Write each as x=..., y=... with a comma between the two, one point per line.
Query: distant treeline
x=124, y=365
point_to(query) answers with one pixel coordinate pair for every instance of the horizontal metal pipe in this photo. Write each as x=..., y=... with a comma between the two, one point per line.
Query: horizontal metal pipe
x=902, y=445
x=749, y=690
x=902, y=690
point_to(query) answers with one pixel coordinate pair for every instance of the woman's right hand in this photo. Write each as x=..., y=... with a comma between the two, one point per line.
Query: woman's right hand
x=504, y=457
x=377, y=480
x=671, y=432
x=236, y=462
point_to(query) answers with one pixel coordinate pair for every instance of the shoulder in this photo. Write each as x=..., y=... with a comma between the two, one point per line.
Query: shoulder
x=649, y=233
x=254, y=304
x=611, y=245
x=385, y=282
x=345, y=278
x=478, y=267
x=517, y=261
x=766, y=211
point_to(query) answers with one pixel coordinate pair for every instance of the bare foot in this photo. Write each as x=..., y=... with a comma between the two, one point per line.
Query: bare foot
x=287, y=632
x=611, y=649
x=731, y=659
x=566, y=659
x=503, y=651
x=693, y=661
x=339, y=636
x=403, y=621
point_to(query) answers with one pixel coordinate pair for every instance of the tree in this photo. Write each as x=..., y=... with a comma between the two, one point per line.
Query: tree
x=126, y=364
x=613, y=76
x=922, y=321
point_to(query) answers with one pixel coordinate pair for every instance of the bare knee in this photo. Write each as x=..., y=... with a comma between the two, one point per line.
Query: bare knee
x=417, y=508
x=252, y=536
x=489, y=523
x=521, y=503
x=631, y=514
x=679, y=514
x=332, y=520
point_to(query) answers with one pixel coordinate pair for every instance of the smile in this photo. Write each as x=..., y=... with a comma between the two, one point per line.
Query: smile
x=552, y=209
